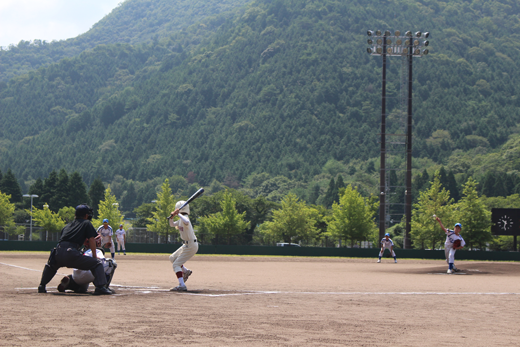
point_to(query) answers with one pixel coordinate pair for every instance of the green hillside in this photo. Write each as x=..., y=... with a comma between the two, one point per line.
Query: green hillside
x=283, y=87
x=133, y=21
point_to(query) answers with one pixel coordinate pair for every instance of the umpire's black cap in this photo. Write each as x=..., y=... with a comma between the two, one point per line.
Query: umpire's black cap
x=84, y=209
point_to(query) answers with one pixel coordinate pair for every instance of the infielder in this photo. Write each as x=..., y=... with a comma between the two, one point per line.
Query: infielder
x=106, y=233
x=80, y=279
x=387, y=243
x=450, y=246
x=121, y=239
x=187, y=250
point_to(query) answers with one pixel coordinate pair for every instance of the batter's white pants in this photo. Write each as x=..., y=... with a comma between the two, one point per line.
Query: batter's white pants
x=120, y=244
x=449, y=252
x=183, y=254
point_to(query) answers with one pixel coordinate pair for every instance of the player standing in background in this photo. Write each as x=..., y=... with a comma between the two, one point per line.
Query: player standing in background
x=106, y=233
x=449, y=248
x=187, y=250
x=386, y=242
x=121, y=239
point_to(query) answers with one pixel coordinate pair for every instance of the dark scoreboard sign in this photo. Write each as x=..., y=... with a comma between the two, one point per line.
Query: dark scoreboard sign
x=506, y=221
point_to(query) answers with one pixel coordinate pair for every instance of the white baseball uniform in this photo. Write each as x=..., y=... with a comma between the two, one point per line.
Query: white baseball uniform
x=448, y=245
x=120, y=237
x=386, y=244
x=106, y=237
x=84, y=277
x=190, y=246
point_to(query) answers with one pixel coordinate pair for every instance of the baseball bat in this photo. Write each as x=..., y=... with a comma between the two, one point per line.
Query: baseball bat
x=191, y=198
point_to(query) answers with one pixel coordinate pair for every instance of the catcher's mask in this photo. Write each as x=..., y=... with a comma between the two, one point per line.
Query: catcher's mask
x=84, y=209
x=185, y=209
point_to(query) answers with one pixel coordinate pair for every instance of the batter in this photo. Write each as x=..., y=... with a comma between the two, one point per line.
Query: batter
x=187, y=250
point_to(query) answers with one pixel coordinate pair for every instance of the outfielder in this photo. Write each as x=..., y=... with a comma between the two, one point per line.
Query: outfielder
x=187, y=250
x=453, y=242
x=387, y=243
x=80, y=279
x=121, y=239
x=106, y=233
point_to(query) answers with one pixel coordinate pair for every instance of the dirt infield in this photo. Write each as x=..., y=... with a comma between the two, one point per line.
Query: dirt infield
x=266, y=301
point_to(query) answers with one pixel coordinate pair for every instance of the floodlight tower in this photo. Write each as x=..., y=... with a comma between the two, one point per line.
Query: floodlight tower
x=406, y=46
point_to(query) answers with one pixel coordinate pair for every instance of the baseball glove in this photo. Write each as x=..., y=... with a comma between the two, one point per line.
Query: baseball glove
x=456, y=243
x=109, y=244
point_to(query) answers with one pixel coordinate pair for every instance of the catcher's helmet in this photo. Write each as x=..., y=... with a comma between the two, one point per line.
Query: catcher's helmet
x=185, y=209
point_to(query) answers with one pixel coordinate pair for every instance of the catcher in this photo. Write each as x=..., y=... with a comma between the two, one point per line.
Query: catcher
x=106, y=233
x=453, y=242
x=80, y=279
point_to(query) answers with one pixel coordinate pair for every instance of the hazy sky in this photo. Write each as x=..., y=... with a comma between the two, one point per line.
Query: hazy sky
x=49, y=19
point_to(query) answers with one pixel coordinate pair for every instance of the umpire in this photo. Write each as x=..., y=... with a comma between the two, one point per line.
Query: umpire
x=67, y=254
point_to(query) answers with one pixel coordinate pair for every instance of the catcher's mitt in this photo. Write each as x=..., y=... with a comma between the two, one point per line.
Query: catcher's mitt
x=456, y=243
x=109, y=244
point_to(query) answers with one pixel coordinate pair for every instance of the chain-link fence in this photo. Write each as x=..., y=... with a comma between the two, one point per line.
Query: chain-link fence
x=133, y=235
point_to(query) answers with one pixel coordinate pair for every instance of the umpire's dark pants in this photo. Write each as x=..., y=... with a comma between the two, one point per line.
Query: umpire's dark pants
x=68, y=255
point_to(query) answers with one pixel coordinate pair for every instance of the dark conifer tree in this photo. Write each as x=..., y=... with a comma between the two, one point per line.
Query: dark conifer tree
x=35, y=189
x=331, y=194
x=96, y=193
x=78, y=190
x=488, y=184
x=453, y=187
x=50, y=185
x=10, y=186
x=62, y=196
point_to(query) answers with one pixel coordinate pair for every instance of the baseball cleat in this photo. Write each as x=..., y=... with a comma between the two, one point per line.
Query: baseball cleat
x=64, y=284
x=395, y=261
x=41, y=289
x=179, y=289
x=378, y=260
x=449, y=271
x=186, y=274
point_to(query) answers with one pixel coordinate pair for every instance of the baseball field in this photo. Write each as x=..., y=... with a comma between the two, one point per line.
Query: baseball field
x=266, y=301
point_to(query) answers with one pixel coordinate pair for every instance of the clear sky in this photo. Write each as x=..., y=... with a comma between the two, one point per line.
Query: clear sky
x=49, y=19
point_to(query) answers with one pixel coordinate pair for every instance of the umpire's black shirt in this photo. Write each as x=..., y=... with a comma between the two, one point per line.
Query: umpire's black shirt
x=77, y=231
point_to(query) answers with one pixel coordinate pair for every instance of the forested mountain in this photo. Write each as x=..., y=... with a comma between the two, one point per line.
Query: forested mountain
x=133, y=21
x=283, y=87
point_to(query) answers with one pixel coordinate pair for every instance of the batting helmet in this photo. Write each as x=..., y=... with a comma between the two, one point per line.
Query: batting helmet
x=185, y=209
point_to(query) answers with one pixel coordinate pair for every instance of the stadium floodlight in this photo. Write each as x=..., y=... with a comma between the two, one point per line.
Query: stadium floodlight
x=407, y=45
x=401, y=44
x=30, y=227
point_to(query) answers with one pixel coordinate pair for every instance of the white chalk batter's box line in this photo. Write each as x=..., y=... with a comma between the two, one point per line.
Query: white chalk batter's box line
x=149, y=290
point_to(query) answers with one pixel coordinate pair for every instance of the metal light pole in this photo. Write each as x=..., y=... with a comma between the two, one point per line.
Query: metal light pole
x=406, y=46
x=30, y=196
